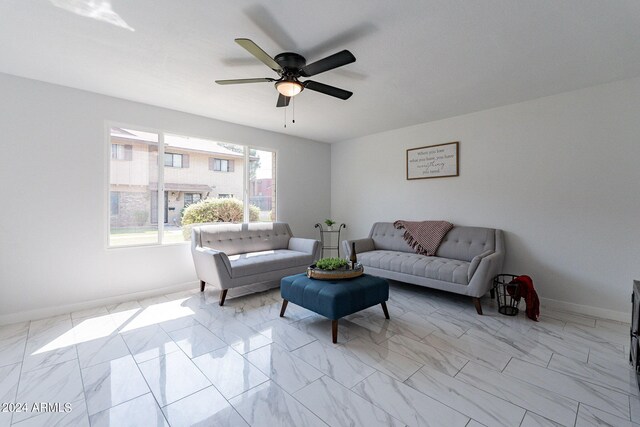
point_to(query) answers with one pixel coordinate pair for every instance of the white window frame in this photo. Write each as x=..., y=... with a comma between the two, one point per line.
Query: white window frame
x=184, y=196
x=119, y=151
x=173, y=160
x=220, y=161
x=161, y=189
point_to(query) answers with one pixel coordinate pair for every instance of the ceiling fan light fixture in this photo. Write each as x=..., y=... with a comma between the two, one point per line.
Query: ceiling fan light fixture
x=289, y=88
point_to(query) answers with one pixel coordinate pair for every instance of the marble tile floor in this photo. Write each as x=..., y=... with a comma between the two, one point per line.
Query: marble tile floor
x=182, y=360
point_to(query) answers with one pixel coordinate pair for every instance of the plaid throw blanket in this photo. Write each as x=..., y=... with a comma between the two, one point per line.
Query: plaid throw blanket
x=424, y=236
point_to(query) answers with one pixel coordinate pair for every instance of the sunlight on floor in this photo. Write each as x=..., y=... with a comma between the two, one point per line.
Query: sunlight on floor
x=125, y=321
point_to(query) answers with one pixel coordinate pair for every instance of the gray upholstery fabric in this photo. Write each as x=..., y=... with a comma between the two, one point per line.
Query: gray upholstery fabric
x=465, y=243
x=241, y=238
x=385, y=236
x=465, y=263
x=302, y=245
x=362, y=245
x=232, y=255
x=253, y=263
x=475, y=262
x=447, y=270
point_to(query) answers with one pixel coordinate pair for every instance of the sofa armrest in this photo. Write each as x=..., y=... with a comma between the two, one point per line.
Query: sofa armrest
x=482, y=279
x=212, y=266
x=308, y=246
x=362, y=245
x=475, y=262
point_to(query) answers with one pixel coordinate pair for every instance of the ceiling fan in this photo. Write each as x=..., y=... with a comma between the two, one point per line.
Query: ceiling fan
x=290, y=67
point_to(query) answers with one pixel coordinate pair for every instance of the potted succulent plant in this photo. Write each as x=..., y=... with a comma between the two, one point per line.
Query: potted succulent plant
x=333, y=269
x=331, y=264
x=329, y=223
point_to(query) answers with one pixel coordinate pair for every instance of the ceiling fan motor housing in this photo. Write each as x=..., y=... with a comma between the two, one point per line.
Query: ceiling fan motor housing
x=291, y=62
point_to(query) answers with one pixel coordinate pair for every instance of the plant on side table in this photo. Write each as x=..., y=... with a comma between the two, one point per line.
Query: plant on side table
x=329, y=223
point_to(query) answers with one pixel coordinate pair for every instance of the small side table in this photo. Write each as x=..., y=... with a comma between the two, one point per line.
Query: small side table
x=328, y=239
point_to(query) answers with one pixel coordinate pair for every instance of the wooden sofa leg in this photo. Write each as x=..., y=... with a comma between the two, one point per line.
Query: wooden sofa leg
x=201, y=285
x=223, y=295
x=476, y=302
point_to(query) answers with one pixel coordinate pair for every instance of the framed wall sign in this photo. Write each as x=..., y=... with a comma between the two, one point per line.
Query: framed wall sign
x=434, y=161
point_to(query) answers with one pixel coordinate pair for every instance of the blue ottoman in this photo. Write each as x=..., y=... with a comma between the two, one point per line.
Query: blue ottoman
x=334, y=298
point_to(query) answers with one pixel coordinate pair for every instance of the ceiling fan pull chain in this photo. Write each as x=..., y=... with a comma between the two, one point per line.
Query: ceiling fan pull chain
x=294, y=110
x=285, y=117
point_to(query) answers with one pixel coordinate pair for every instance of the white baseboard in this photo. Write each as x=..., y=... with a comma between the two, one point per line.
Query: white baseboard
x=42, y=313
x=620, y=316
x=6, y=319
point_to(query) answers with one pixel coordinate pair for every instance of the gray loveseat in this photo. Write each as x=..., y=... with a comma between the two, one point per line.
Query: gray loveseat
x=465, y=263
x=231, y=255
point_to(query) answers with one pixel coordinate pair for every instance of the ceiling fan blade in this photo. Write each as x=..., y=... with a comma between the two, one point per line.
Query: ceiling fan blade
x=238, y=81
x=327, y=90
x=263, y=56
x=283, y=101
x=329, y=63
x=267, y=22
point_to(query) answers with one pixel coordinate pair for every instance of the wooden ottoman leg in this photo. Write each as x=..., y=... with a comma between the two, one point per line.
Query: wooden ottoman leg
x=384, y=308
x=334, y=331
x=201, y=285
x=284, y=307
x=223, y=295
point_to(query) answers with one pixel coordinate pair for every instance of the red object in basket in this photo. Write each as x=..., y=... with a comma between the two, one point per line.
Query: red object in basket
x=526, y=290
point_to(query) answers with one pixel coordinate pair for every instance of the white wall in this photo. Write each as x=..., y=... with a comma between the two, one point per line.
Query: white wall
x=53, y=254
x=560, y=175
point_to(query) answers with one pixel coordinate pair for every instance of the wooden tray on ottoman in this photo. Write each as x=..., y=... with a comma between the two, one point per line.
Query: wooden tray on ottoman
x=344, y=273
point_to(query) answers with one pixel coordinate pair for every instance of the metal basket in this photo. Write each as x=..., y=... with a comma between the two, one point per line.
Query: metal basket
x=507, y=294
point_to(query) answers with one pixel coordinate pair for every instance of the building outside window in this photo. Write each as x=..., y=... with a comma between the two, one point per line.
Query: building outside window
x=222, y=165
x=167, y=173
x=173, y=160
x=262, y=183
x=191, y=198
x=121, y=152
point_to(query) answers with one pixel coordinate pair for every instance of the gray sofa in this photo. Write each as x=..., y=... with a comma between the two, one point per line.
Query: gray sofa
x=465, y=263
x=231, y=255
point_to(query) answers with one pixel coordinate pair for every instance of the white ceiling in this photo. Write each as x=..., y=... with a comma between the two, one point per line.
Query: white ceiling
x=417, y=60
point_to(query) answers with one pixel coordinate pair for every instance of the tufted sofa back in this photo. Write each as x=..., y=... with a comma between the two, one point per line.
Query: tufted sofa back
x=235, y=239
x=464, y=243
x=461, y=243
x=386, y=237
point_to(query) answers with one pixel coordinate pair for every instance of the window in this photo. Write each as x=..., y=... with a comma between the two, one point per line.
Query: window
x=262, y=184
x=132, y=187
x=173, y=160
x=221, y=165
x=191, y=198
x=114, y=202
x=167, y=173
x=121, y=152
